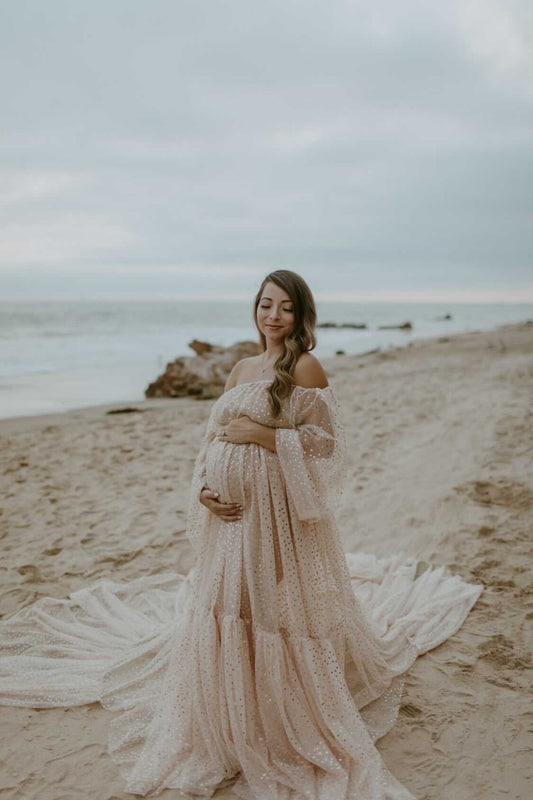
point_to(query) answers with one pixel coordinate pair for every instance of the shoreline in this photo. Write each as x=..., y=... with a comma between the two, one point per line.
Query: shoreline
x=27, y=422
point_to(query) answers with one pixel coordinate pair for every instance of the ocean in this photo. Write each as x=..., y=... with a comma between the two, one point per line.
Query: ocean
x=56, y=356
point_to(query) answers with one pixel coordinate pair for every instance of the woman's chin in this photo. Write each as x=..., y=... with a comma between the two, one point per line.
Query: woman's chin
x=270, y=333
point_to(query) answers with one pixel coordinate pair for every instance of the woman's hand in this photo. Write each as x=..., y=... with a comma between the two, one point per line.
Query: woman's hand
x=228, y=512
x=241, y=430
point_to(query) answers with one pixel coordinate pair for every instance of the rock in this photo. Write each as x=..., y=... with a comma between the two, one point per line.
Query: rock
x=127, y=410
x=406, y=326
x=201, y=348
x=357, y=325
x=202, y=375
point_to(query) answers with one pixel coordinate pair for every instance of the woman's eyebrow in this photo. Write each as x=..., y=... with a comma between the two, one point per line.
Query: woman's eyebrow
x=269, y=298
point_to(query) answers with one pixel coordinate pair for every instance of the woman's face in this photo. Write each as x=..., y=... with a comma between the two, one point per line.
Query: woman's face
x=275, y=313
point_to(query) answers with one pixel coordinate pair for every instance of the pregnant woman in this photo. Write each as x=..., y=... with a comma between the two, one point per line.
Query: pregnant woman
x=277, y=662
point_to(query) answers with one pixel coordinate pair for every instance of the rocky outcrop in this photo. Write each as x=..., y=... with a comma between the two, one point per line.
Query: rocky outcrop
x=357, y=325
x=406, y=326
x=202, y=375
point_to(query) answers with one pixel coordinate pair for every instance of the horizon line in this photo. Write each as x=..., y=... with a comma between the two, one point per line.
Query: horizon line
x=473, y=296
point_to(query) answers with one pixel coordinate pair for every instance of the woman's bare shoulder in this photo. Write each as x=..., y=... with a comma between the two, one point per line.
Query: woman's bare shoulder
x=309, y=372
x=237, y=371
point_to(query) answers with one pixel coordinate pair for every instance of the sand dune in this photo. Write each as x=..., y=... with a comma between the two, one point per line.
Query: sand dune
x=440, y=466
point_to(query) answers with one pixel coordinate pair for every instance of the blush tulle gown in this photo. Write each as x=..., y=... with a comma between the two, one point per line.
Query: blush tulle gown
x=278, y=660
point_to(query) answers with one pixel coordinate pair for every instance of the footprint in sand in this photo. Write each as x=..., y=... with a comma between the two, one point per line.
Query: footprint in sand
x=16, y=463
x=31, y=572
x=485, y=530
x=410, y=710
x=500, y=650
x=492, y=572
x=120, y=560
x=501, y=492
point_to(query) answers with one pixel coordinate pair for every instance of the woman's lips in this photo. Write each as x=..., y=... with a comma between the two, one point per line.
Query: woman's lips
x=274, y=327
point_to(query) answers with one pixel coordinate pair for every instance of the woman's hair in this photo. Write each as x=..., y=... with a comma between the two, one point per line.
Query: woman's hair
x=301, y=339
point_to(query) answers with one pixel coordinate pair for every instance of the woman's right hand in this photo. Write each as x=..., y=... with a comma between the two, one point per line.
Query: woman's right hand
x=228, y=512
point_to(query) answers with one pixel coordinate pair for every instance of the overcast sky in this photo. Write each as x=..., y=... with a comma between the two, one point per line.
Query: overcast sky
x=172, y=148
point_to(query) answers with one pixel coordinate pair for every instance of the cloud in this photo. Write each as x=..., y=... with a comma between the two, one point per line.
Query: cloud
x=383, y=147
x=494, y=34
x=25, y=186
x=71, y=240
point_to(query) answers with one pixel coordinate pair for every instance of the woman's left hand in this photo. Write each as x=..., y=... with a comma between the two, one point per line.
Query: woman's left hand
x=238, y=431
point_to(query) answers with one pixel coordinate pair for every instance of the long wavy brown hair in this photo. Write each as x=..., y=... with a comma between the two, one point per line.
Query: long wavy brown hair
x=300, y=340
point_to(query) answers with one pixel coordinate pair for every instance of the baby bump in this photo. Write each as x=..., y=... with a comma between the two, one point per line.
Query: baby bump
x=227, y=469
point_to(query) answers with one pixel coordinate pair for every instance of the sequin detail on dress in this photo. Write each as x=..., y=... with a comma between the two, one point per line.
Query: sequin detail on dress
x=277, y=660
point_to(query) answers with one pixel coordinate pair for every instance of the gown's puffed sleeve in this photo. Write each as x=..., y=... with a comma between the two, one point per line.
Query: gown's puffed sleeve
x=312, y=454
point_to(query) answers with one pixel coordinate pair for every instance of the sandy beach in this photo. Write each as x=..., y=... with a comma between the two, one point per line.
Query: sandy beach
x=440, y=467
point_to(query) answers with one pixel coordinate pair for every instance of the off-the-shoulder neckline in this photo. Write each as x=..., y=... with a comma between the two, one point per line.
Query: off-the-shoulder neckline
x=269, y=380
